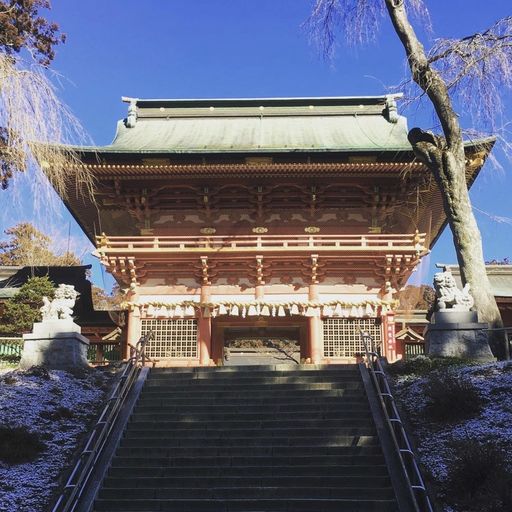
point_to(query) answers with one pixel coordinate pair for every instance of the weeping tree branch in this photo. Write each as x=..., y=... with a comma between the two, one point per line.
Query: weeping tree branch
x=478, y=68
x=35, y=127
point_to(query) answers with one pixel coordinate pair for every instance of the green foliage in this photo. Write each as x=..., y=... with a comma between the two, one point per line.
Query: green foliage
x=21, y=27
x=27, y=246
x=9, y=359
x=479, y=477
x=422, y=365
x=22, y=310
x=18, y=445
x=451, y=397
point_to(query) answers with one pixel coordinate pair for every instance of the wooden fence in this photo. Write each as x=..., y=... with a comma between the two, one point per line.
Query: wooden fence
x=11, y=349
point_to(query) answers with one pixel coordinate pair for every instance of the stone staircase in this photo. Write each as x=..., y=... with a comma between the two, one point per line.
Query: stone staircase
x=283, y=438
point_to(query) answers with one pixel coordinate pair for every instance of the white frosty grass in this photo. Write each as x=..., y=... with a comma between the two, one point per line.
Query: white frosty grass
x=25, y=401
x=493, y=425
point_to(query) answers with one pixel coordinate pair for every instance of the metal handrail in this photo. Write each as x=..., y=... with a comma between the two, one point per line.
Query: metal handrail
x=83, y=469
x=396, y=428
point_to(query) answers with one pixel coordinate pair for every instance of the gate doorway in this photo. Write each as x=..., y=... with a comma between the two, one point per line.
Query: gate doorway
x=259, y=341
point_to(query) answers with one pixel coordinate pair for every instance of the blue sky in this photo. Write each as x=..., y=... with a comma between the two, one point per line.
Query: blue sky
x=238, y=48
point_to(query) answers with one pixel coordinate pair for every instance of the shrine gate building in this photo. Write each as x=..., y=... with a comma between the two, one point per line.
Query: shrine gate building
x=295, y=217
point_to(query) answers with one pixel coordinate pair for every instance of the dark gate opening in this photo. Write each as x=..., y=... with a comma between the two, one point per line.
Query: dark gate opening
x=258, y=345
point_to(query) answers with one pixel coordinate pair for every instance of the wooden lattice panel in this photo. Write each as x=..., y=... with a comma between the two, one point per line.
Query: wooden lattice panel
x=171, y=338
x=342, y=336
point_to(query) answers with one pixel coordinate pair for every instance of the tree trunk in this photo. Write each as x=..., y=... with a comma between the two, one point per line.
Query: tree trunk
x=446, y=159
x=451, y=180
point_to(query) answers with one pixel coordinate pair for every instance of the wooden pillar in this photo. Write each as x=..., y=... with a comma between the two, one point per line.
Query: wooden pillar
x=204, y=330
x=315, y=339
x=259, y=292
x=388, y=326
x=133, y=332
x=217, y=343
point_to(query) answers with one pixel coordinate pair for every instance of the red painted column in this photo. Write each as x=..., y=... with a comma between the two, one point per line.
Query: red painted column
x=133, y=331
x=315, y=339
x=204, y=330
x=388, y=328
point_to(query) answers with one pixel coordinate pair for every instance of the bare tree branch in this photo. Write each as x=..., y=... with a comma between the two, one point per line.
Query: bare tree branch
x=357, y=20
x=478, y=68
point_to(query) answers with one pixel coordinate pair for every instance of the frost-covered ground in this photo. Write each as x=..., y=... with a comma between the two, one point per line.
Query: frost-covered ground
x=59, y=407
x=437, y=441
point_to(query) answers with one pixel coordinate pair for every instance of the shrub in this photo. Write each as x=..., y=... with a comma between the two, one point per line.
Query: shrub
x=21, y=311
x=18, y=445
x=60, y=413
x=38, y=371
x=9, y=379
x=479, y=477
x=451, y=397
x=421, y=365
x=11, y=359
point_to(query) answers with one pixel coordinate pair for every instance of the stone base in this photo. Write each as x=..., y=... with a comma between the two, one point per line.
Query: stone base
x=458, y=339
x=56, y=345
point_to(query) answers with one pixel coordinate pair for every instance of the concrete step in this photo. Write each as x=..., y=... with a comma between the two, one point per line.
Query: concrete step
x=154, y=385
x=346, y=397
x=238, y=492
x=343, y=456
x=254, y=379
x=248, y=442
x=359, y=504
x=252, y=471
x=199, y=402
x=254, y=450
x=284, y=482
x=309, y=408
x=349, y=419
x=254, y=432
x=164, y=396
x=190, y=417
x=250, y=369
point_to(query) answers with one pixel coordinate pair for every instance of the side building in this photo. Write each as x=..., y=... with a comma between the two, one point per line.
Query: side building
x=292, y=218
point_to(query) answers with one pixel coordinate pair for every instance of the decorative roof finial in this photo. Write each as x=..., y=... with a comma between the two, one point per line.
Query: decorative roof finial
x=392, y=109
x=131, y=119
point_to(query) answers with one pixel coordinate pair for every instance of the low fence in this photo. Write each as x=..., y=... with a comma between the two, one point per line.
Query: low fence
x=413, y=349
x=11, y=349
x=98, y=352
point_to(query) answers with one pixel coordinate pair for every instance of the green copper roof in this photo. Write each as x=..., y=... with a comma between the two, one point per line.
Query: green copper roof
x=500, y=278
x=261, y=125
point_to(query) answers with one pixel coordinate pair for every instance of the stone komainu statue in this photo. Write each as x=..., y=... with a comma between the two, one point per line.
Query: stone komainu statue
x=448, y=296
x=61, y=307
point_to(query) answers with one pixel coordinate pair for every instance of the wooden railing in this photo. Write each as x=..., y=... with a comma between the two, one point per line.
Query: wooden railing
x=403, y=242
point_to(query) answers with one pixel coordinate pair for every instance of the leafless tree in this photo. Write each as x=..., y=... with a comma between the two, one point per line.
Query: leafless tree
x=478, y=68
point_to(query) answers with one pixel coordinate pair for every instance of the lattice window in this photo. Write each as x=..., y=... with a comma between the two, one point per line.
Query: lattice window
x=172, y=338
x=342, y=337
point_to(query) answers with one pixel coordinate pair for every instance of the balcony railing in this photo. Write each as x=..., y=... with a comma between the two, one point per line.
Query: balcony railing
x=381, y=243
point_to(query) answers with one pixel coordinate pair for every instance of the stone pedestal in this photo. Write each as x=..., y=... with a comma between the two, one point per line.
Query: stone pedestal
x=56, y=345
x=457, y=334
